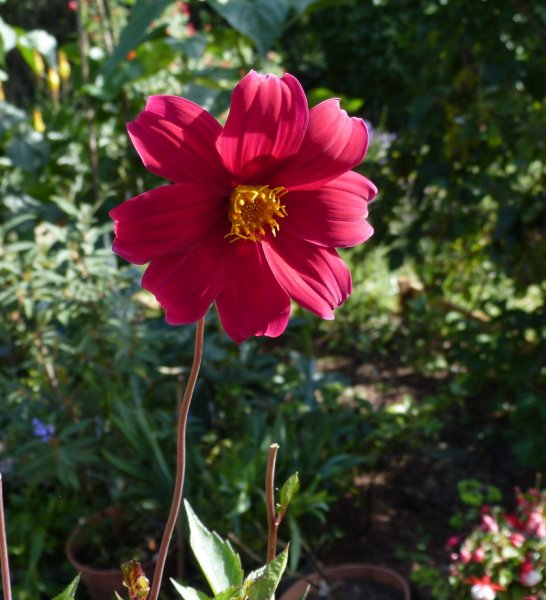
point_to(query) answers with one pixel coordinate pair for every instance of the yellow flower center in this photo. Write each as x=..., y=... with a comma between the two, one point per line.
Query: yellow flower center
x=253, y=209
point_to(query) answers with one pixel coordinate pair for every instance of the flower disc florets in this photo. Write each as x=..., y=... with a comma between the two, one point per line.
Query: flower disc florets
x=252, y=209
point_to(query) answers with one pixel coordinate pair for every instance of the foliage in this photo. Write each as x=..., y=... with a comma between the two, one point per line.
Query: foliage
x=222, y=569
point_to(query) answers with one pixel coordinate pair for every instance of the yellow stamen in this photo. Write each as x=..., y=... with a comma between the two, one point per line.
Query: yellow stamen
x=252, y=209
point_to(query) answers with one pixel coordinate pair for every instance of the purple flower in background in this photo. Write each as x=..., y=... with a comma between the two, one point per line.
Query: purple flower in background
x=42, y=430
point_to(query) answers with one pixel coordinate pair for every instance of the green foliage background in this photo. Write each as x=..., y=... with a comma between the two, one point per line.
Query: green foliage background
x=451, y=286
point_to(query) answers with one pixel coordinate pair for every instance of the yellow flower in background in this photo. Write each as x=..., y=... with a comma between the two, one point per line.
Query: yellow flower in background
x=64, y=66
x=38, y=120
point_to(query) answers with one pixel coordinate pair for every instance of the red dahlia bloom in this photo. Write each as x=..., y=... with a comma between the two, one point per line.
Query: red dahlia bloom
x=256, y=209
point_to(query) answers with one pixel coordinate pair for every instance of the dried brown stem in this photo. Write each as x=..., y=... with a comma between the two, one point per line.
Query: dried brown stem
x=180, y=460
x=272, y=522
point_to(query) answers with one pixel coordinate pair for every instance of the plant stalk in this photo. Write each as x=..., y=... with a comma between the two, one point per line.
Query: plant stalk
x=180, y=460
x=6, y=586
x=272, y=522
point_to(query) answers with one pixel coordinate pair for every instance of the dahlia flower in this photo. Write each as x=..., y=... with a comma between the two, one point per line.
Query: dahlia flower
x=255, y=209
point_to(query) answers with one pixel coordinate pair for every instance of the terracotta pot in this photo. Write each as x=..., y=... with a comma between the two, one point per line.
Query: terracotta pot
x=350, y=572
x=100, y=583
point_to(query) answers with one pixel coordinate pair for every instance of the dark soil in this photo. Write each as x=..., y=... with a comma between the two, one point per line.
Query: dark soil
x=399, y=516
x=357, y=591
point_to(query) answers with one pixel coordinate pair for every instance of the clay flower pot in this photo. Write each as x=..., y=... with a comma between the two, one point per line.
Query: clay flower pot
x=101, y=583
x=353, y=572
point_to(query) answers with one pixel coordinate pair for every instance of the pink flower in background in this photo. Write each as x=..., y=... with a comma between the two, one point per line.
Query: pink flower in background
x=517, y=539
x=478, y=555
x=489, y=524
x=256, y=209
x=466, y=555
x=453, y=541
x=483, y=588
x=536, y=524
x=528, y=575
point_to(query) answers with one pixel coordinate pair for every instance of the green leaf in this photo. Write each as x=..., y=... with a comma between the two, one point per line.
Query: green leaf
x=260, y=20
x=301, y=5
x=265, y=581
x=219, y=563
x=29, y=152
x=70, y=592
x=189, y=593
x=289, y=490
x=295, y=543
x=135, y=32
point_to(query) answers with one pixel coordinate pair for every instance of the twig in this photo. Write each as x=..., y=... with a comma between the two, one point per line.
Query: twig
x=272, y=522
x=6, y=586
x=180, y=460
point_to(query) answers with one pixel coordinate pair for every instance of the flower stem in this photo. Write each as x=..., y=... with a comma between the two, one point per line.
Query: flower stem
x=180, y=460
x=6, y=586
x=272, y=522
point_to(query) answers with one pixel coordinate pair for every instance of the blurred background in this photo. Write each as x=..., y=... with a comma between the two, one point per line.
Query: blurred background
x=429, y=384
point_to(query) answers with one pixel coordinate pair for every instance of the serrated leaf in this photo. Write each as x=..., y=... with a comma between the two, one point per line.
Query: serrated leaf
x=217, y=559
x=289, y=490
x=232, y=593
x=189, y=593
x=264, y=582
x=70, y=592
x=260, y=20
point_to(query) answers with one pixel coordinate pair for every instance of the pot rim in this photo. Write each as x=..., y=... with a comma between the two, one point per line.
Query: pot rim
x=71, y=545
x=347, y=570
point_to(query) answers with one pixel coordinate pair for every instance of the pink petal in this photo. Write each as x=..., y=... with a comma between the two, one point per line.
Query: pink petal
x=334, y=143
x=252, y=302
x=186, y=285
x=334, y=215
x=266, y=123
x=168, y=220
x=315, y=277
x=180, y=151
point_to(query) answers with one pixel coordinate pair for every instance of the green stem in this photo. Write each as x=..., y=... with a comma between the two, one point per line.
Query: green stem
x=180, y=460
x=272, y=522
x=6, y=586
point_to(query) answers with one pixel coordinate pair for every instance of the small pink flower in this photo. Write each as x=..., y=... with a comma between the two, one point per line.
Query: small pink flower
x=514, y=521
x=517, y=539
x=489, y=524
x=466, y=555
x=453, y=541
x=530, y=579
x=528, y=575
x=482, y=592
x=72, y=5
x=478, y=555
x=536, y=524
x=256, y=209
x=483, y=588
